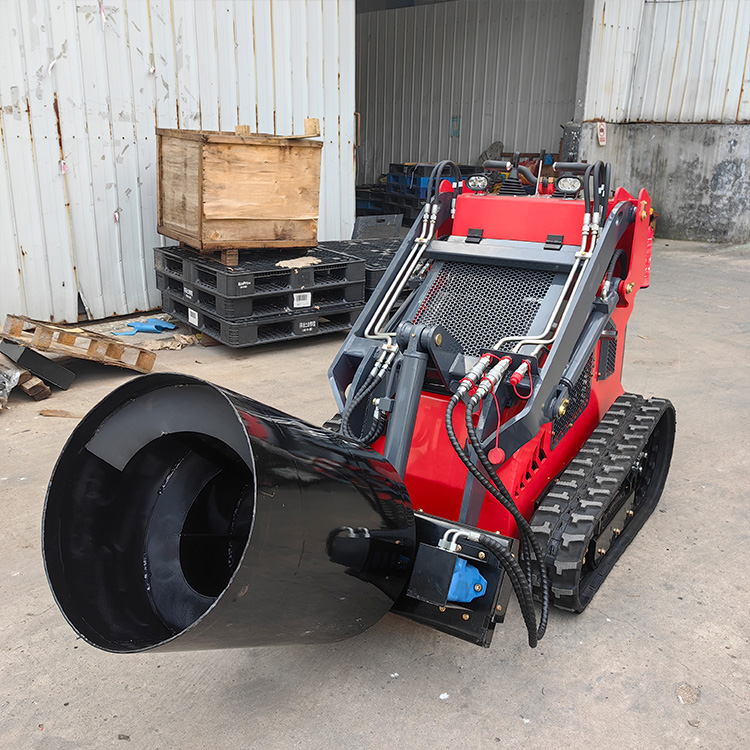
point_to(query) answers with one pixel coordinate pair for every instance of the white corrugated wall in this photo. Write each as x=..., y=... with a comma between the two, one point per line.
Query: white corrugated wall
x=506, y=68
x=83, y=85
x=667, y=61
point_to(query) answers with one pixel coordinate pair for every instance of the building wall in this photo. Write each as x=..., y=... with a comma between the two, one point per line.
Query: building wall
x=698, y=176
x=83, y=86
x=506, y=68
x=666, y=61
x=672, y=81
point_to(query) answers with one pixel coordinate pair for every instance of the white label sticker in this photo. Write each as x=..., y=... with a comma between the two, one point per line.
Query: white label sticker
x=307, y=326
x=303, y=299
x=192, y=317
x=188, y=293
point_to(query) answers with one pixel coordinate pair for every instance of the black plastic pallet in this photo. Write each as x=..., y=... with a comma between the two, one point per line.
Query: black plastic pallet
x=314, y=299
x=377, y=255
x=370, y=198
x=244, y=332
x=409, y=207
x=425, y=170
x=261, y=272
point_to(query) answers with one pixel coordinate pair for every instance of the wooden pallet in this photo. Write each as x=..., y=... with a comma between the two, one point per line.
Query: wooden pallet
x=76, y=342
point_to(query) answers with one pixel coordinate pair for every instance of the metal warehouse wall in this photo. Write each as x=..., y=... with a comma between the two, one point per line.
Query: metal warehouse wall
x=667, y=61
x=506, y=68
x=83, y=86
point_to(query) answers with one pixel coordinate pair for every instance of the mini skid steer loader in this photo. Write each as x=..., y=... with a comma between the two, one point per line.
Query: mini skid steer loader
x=484, y=447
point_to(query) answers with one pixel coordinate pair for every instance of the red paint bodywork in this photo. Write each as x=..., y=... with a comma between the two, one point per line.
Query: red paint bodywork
x=435, y=476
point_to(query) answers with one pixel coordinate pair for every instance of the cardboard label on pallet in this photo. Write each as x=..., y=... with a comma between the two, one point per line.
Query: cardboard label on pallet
x=192, y=317
x=302, y=299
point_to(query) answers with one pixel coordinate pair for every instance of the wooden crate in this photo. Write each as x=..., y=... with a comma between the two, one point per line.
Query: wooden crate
x=222, y=191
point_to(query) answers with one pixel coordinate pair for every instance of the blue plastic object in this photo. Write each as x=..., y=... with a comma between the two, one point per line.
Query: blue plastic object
x=465, y=578
x=152, y=325
x=165, y=325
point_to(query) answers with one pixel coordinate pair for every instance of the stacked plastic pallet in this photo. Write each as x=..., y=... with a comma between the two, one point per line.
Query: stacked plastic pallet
x=269, y=295
x=407, y=188
x=370, y=199
x=375, y=254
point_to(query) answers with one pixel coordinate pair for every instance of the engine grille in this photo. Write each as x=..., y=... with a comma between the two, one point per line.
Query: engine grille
x=579, y=399
x=608, y=347
x=607, y=352
x=481, y=304
x=611, y=357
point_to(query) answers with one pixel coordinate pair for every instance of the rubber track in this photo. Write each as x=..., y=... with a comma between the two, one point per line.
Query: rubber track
x=568, y=516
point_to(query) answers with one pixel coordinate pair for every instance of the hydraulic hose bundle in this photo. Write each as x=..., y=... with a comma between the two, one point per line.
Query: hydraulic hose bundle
x=433, y=184
x=520, y=578
x=381, y=366
x=596, y=200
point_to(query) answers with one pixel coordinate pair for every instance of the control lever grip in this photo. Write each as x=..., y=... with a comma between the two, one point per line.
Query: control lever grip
x=528, y=174
x=502, y=166
x=570, y=166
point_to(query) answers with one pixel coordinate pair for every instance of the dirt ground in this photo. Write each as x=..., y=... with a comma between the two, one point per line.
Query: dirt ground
x=659, y=660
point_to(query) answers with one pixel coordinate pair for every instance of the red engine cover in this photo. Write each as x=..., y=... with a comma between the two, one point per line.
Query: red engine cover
x=517, y=217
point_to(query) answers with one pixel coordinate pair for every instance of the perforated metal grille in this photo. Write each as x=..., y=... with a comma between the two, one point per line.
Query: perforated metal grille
x=579, y=399
x=611, y=356
x=607, y=354
x=481, y=304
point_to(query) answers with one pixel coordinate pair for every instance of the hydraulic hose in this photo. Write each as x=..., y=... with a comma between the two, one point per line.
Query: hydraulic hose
x=433, y=184
x=382, y=312
x=597, y=182
x=520, y=585
x=523, y=525
x=587, y=187
x=523, y=592
x=518, y=581
x=368, y=387
x=376, y=429
x=605, y=200
x=619, y=253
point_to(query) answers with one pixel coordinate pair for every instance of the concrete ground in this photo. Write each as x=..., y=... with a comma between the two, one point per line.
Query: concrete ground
x=659, y=660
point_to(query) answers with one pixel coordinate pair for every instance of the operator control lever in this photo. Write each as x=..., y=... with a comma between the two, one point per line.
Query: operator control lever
x=506, y=166
x=570, y=166
x=502, y=166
